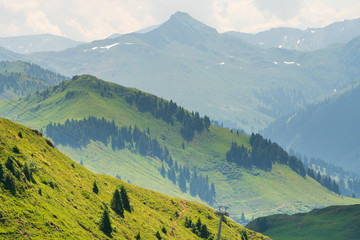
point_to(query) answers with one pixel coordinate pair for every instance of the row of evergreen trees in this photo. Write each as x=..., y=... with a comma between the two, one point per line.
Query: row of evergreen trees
x=169, y=112
x=198, y=228
x=119, y=202
x=196, y=184
x=264, y=153
x=78, y=133
x=324, y=180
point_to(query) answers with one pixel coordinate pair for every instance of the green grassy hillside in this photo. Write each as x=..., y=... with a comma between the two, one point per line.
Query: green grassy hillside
x=252, y=191
x=21, y=78
x=47, y=195
x=336, y=222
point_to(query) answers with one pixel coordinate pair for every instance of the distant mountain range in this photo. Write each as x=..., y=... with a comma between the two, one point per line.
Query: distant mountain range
x=304, y=40
x=221, y=75
x=327, y=130
x=242, y=85
x=37, y=43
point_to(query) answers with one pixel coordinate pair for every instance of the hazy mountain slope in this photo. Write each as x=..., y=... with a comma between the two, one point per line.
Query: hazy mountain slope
x=21, y=78
x=261, y=193
x=327, y=130
x=336, y=222
x=217, y=74
x=37, y=43
x=59, y=202
x=304, y=40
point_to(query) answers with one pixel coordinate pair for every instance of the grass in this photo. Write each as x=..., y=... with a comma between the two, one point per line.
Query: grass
x=253, y=191
x=68, y=209
x=335, y=222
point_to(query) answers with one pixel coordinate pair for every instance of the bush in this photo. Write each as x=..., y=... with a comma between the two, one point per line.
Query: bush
x=16, y=149
x=9, y=183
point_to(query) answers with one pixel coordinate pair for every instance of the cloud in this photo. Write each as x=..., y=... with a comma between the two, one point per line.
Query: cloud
x=92, y=19
x=283, y=9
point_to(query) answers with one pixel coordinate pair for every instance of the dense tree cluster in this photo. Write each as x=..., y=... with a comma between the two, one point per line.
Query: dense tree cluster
x=324, y=181
x=26, y=80
x=198, y=228
x=263, y=154
x=169, y=112
x=78, y=133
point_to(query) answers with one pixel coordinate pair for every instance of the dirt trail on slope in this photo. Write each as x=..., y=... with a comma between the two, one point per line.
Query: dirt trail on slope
x=183, y=204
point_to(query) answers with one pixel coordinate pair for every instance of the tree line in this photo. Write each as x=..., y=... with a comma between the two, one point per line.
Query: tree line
x=264, y=153
x=79, y=133
x=170, y=112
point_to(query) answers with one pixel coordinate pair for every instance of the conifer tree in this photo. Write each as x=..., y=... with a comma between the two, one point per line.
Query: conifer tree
x=1, y=173
x=9, y=183
x=138, y=237
x=105, y=223
x=157, y=235
x=162, y=171
x=116, y=203
x=95, y=188
x=10, y=165
x=125, y=199
x=27, y=172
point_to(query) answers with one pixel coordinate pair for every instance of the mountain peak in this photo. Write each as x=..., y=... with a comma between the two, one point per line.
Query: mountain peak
x=182, y=28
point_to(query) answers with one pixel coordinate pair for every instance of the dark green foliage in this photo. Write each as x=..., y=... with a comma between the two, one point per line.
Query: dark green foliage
x=157, y=235
x=1, y=173
x=243, y=219
x=105, y=223
x=199, y=229
x=168, y=112
x=244, y=235
x=20, y=135
x=16, y=149
x=116, y=203
x=125, y=199
x=78, y=133
x=324, y=181
x=263, y=154
x=73, y=165
x=172, y=175
x=182, y=182
x=163, y=229
x=138, y=237
x=40, y=192
x=9, y=164
x=9, y=183
x=27, y=172
x=95, y=188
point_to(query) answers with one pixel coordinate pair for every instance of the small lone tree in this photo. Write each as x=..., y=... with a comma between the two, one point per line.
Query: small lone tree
x=95, y=188
x=116, y=203
x=138, y=237
x=125, y=199
x=1, y=173
x=9, y=164
x=157, y=235
x=9, y=183
x=105, y=223
x=27, y=172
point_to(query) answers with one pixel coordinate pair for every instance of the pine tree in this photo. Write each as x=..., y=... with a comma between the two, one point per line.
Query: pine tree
x=95, y=188
x=9, y=183
x=162, y=171
x=125, y=199
x=105, y=223
x=10, y=165
x=243, y=220
x=138, y=237
x=116, y=203
x=1, y=172
x=27, y=172
x=157, y=235
x=204, y=233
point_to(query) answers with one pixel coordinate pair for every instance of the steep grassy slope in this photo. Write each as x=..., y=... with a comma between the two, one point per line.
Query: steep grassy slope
x=59, y=202
x=336, y=222
x=253, y=191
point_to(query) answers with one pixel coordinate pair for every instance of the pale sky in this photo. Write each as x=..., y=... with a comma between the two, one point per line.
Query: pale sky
x=88, y=20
